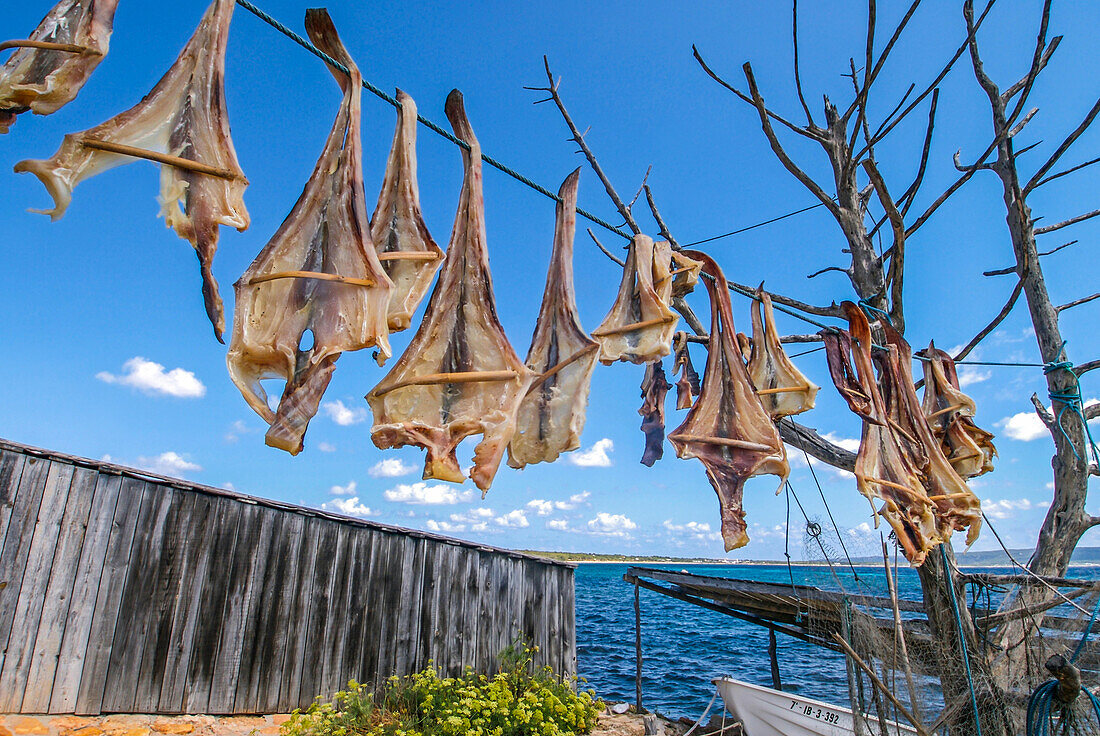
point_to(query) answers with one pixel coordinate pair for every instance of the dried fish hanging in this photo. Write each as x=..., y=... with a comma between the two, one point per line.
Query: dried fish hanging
x=640, y=324
x=728, y=429
x=183, y=124
x=654, y=388
x=551, y=415
x=50, y=67
x=459, y=376
x=687, y=386
x=316, y=290
x=782, y=388
x=950, y=412
x=405, y=247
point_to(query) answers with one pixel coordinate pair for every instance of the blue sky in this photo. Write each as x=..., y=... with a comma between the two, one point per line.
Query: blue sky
x=110, y=353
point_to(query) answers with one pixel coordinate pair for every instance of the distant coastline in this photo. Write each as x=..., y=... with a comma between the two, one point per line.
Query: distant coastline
x=1082, y=557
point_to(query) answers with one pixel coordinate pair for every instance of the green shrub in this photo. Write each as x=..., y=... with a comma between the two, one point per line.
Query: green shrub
x=517, y=701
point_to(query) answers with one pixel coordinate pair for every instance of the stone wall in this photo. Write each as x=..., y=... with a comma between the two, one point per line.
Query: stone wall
x=140, y=725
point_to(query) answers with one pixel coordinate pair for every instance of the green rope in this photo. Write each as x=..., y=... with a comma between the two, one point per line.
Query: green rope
x=873, y=311
x=1071, y=401
x=962, y=638
x=1040, y=706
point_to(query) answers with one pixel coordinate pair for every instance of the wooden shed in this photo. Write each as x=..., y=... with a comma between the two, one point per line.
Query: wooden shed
x=127, y=592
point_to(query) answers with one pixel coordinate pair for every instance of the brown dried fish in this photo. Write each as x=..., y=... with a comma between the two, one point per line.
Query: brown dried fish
x=782, y=388
x=640, y=324
x=687, y=386
x=459, y=376
x=950, y=412
x=316, y=290
x=404, y=245
x=184, y=116
x=654, y=388
x=728, y=428
x=43, y=80
x=551, y=415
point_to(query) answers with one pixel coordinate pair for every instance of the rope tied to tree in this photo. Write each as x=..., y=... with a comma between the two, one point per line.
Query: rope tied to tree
x=962, y=638
x=874, y=312
x=1059, y=693
x=1071, y=401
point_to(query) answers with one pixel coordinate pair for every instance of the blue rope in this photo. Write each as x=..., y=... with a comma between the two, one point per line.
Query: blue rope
x=873, y=311
x=1088, y=630
x=962, y=639
x=1040, y=704
x=1070, y=400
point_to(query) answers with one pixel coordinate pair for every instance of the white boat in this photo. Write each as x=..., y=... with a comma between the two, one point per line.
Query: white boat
x=766, y=712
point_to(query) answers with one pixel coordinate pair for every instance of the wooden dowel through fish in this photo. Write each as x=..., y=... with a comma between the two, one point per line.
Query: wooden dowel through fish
x=435, y=378
x=898, y=486
x=781, y=390
x=160, y=158
x=635, y=326
x=726, y=441
x=956, y=407
x=70, y=48
x=408, y=256
x=320, y=276
x=571, y=359
x=949, y=496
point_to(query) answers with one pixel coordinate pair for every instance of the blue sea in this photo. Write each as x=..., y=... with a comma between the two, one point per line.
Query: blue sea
x=685, y=646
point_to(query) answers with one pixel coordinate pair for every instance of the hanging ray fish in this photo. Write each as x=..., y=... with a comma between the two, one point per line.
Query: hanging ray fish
x=317, y=281
x=183, y=116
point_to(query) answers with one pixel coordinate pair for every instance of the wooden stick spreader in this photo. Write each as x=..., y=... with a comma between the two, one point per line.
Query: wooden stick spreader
x=408, y=256
x=725, y=441
x=437, y=378
x=70, y=48
x=635, y=326
x=553, y=371
x=319, y=275
x=160, y=158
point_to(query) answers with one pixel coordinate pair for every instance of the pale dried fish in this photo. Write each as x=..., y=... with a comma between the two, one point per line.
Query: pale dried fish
x=783, y=389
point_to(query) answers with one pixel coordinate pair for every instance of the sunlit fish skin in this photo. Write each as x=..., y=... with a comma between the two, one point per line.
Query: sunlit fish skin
x=783, y=389
x=950, y=413
x=727, y=428
x=185, y=116
x=552, y=414
x=317, y=289
x=45, y=80
x=459, y=375
x=409, y=254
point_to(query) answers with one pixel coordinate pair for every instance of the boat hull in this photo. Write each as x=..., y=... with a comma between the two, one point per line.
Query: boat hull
x=766, y=712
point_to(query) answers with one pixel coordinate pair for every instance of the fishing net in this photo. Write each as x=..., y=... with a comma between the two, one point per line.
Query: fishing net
x=1019, y=666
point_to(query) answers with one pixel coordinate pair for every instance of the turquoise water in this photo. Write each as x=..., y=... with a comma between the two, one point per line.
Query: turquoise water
x=685, y=646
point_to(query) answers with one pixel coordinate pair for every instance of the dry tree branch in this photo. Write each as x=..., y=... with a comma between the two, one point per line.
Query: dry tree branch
x=578, y=137
x=1043, y=412
x=895, y=275
x=1059, y=175
x=797, y=75
x=1069, y=141
x=1066, y=223
x=886, y=128
x=1078, y=302
x=777, y=147
x=1009, y=93
x=882, y=57
x=827, y=269
x=1016, y=291
x=1084, y=368
x=606, y=252
x=812, y=133
x=1012, y=269
x=1036, y=65
x=1023, y=123
x=860, y=99
x=661, y=227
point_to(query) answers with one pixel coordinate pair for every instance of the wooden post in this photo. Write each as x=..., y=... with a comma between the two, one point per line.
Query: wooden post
x=858, y=724
x=772, y=654
x=637, y=650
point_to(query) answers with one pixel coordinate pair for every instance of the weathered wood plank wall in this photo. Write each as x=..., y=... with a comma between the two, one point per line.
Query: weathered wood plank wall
x=121, y=592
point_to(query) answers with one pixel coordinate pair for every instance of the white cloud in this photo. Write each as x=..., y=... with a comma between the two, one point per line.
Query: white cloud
x=862, y=531
x=425, y=495
x=168, y=463
x=849, y=444
x=695, y=529
x=151, y=378
x=512, y=520
x=236, y=429
x=474, y=520
x=229, y=486
x=343, y=415
x=444, y=526
x=1025, y=426
x=969, y=376
x=347, y=490
x=326, y=447
x=391, y=467
x=560, y=525
x=612, y=525
x=595, y=456
x=540, y=507
x=1005, y=508
x=545, y=508
x=348, y=506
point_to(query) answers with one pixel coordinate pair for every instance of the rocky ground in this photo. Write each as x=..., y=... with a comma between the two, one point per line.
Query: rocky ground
x=629, y=723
